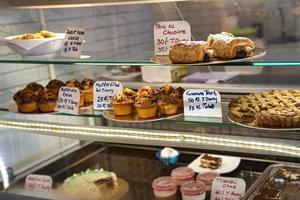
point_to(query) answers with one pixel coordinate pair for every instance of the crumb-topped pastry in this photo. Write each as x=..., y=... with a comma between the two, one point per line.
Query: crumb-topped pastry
x=177, y=95
x=227, y=46
x=76, y=83
x=189, y=52
x=165, y=91
x=276, y=108
x=145, y=107
x=91, y=184
x=54, y=85
x=147, y=92
x=129, y=93
x=47, y=101
x=26, y=101
x=87, y=88
x=35, y=88
x=122, y=105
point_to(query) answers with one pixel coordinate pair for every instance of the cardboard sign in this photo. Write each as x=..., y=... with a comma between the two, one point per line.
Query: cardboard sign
x=103, y=93
x=73, y=43
x=168, y=33
x=41, y=183
x=68, y=100
x=224, y=188
x=202, y=103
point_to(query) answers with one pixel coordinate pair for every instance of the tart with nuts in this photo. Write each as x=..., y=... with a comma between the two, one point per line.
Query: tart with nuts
x=273, y=109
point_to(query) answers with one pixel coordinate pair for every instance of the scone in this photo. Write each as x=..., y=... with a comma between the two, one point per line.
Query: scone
x=54, y=85
x=189, y=52
x=35, y=88
x=87, y=89
x=47, y=101
x=26, y=101
x=122, y=105
x=75, y=83
x=177, y=95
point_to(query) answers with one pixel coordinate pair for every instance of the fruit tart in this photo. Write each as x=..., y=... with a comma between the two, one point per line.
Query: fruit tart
x=87, y=89
x=75, y=83
x=26, y=101
x=122, y=105
x=54, y=85
x=47, y=101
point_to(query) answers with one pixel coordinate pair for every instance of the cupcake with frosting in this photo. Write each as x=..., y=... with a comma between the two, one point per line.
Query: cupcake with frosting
x=122, y=105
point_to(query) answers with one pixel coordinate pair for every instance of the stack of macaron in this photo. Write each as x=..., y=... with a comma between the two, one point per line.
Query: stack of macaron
x=184, y=179
x=37, y=98
x=148, y=102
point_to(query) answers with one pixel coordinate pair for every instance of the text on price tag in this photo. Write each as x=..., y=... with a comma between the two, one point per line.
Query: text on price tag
x=103, y=93
x=202, y=103
x=73, y=43
x=37, y=182
x=225, y=188
x=68, y=100
x=168, y=33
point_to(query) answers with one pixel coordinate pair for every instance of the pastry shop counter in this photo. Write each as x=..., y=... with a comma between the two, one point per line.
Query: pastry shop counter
x=136, y=165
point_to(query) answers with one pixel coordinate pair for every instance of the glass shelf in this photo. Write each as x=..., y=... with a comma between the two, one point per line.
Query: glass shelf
x=274, y=57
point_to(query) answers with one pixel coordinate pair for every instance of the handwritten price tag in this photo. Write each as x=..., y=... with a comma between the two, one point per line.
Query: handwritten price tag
x=168, y=33
x=73, y=43
x=202, y=103
x=37, y=182
x=224, y=188
x=68, y=100
x=103, y=93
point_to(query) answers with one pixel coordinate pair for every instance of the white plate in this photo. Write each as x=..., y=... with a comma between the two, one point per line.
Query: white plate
x=229, y=164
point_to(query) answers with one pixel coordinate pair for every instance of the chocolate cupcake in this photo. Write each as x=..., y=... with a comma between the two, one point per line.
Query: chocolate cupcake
x=35, y=87
x=47, y=101
x=54, y=85
x=26, y=101
x=87, y=89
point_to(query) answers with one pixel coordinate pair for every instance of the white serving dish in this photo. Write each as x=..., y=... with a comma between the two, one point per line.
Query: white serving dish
x=229, y=164
x=35, y=48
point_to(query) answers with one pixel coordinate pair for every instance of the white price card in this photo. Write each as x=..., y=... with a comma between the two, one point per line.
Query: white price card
x=68, y=100
x=73, y=43
x=36, y=182
x=103, y=93
x=225, y=188
x=168, y=33
x=202, y=103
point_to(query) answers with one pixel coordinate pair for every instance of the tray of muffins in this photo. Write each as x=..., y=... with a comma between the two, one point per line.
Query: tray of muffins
x=217, y=49
x=37, y=99
x=146, y=105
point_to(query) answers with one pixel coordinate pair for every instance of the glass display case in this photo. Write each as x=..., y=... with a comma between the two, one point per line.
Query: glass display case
x=119, y=46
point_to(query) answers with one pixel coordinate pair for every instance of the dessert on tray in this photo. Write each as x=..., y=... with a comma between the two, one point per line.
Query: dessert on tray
x=122, y=105
x=221, y=46
x=167, y=105
x=47, y=101
x=91, y=185
x=275, y=109
x=87, y=89
x=54, y=85
x=26, y=101
x=210, y=162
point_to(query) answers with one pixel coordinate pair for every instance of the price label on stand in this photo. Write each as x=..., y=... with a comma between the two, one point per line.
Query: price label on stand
x=202, y=103
x=103, y=93
x=68, y=100
x=41, y=183
x=168, y=33
x=224, y=188
x=73, y=43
